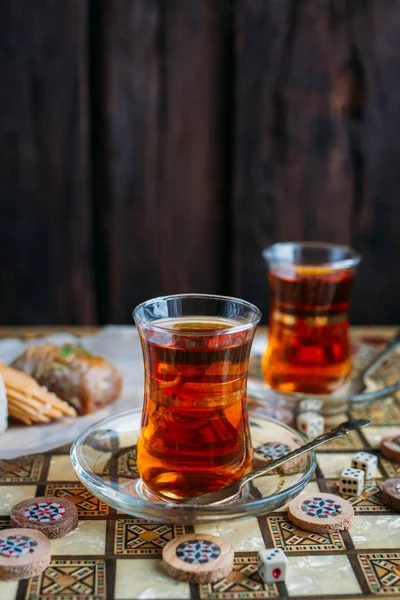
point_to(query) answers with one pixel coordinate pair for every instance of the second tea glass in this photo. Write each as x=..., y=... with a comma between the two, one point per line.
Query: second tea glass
x=308, y=345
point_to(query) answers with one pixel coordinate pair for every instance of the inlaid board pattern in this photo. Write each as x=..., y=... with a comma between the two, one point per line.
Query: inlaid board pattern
x=113, y=556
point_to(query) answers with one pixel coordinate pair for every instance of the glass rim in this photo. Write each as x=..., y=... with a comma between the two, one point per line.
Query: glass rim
x=237, y=328
x=352, y=260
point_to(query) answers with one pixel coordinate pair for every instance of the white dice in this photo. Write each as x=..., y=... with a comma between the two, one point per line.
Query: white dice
x=311, y=424
x=365, y=461
x=310, y=405
x=351, y=481
x=272, y=564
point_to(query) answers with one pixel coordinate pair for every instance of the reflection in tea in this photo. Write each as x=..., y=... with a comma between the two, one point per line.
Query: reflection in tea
x=195, y=436
x=308, y=349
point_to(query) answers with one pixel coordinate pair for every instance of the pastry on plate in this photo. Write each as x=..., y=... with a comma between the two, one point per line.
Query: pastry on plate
x=29, y=402
x=87, y=382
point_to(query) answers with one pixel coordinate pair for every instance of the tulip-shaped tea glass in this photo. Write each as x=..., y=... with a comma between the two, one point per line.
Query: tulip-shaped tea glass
x=195, y=435
x=308, y=345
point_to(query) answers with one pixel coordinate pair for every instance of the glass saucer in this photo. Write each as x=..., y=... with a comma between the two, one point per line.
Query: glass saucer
x=382, y=383
x=104, y=458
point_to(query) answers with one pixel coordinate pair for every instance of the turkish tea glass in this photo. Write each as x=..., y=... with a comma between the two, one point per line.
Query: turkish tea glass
x=308, y=343
x=195, y=435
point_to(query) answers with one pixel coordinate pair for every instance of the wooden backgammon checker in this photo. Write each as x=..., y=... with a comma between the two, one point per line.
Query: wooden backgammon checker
x=55, y=517
x=321, y=513
x=24, y=553
x=391, y=493
x=198, y=558
x=390, y=446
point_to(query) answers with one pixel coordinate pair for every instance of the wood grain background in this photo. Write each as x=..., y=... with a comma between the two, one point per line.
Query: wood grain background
x=151, y=147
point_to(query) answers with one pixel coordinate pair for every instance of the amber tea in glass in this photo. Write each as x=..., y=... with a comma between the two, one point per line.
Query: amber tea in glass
x=308, y=345
x=195, y=435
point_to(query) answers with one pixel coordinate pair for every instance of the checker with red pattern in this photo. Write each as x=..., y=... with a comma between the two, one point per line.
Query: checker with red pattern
x=44, y=512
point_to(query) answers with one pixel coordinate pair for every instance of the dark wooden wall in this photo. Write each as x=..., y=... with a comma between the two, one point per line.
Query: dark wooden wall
x=156, y=146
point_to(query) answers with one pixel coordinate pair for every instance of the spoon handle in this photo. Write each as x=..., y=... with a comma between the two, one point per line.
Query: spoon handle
x=390, y=346
x=338, y=431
